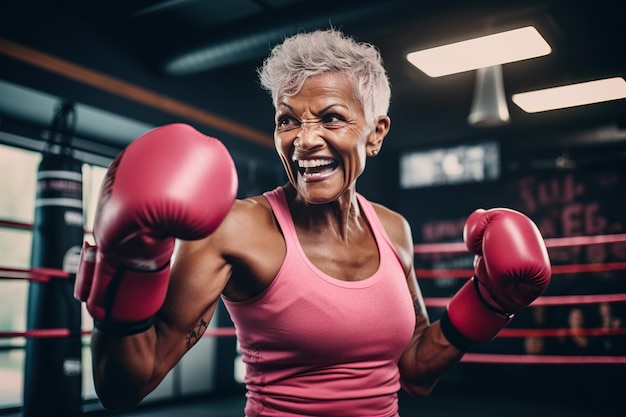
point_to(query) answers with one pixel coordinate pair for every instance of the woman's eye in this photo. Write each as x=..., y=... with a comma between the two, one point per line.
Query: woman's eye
x=332, y=118
x=285, y=122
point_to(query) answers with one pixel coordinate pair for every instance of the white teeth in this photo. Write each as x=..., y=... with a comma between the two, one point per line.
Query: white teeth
x=312, y=163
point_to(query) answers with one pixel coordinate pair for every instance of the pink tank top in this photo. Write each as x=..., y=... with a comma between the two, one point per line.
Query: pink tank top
x=317, y=346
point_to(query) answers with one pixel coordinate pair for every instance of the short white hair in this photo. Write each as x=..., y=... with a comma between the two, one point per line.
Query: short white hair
x=307, y=54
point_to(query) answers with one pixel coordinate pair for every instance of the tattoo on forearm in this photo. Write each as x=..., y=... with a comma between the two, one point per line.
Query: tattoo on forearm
x=417, y=306
x=196, y=333
x=420, y=315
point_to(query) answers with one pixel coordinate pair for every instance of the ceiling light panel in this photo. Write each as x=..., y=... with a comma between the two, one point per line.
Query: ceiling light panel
x=500, y=48
x=571, y=95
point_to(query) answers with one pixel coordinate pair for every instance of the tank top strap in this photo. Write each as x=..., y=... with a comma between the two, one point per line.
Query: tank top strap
x=377, y=226
x=278, y=203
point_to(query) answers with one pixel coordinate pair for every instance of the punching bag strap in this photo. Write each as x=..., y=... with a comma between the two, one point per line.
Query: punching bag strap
x=62, y=129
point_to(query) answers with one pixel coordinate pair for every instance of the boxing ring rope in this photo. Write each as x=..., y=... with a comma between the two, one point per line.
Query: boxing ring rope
x=38, y=274
x=42, y=333
x=511, y=359
x=15, y=225
x=46, y=274
x=556, y=270
x=546, y=300
x=555, y=242
x=53, y=333
x=230, y=331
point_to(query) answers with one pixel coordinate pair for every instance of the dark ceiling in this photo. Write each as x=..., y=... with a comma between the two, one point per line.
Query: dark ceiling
x=133, y=64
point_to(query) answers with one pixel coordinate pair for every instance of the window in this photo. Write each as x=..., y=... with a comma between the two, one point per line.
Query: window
x=18, y=187
x=18, y=177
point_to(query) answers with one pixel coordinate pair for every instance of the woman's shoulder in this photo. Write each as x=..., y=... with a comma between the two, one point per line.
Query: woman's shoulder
x=389, y=217
x=249, y=223
x=247, y=212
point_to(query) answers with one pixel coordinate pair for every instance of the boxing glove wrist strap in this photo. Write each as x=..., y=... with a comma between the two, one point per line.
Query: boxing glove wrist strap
x=133, y=298
x=121, y=329
x=455, y=337
x=468, y=315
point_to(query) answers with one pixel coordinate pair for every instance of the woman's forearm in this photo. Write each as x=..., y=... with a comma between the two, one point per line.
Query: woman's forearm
x=426, y=359
x=124, y=368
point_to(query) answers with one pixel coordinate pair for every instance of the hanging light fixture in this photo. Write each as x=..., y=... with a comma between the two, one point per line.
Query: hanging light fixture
x=489, y=106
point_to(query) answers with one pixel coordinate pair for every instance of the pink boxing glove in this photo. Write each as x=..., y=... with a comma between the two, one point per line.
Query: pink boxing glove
x=171, y=182
x=511, y=269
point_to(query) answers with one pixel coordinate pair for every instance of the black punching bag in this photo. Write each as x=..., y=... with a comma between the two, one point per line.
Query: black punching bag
x=53, y=366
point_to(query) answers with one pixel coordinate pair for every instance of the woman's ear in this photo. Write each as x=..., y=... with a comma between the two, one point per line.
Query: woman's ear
x=377, y=135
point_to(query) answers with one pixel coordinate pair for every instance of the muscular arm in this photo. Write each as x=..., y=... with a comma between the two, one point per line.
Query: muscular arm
x=126, y=369
x=428, y=354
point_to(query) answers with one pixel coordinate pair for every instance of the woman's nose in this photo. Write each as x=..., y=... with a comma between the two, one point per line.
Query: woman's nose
x=309, y=135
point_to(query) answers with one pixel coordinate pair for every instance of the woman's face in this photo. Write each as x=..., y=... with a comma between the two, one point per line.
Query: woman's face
x=323, y=138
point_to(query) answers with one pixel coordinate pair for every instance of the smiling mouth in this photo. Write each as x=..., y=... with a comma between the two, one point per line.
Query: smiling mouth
x=316, y=168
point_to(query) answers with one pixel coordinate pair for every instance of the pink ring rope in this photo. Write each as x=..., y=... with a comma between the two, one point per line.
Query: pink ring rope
x=547, y=300
x=60, y=332
x=15, y=225
x=230, y=331
x=541, y=359
x=469, y=357
x=557, y=242
x=556, y=270
x=38, y=274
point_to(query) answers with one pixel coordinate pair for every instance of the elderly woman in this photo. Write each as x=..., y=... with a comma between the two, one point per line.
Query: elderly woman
x=319, y=281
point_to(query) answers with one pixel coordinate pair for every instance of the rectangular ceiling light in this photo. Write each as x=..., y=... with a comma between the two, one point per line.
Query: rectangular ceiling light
x=571, y=95
x=486, y=51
